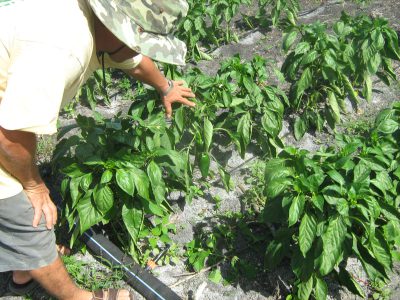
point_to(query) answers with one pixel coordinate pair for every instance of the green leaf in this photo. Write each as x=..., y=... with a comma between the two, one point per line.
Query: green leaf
x=132, y=215
x=367, y=90
x=330, y=60
x=334, y=106
x=332, y=194
x=125, y=181
x=381, y=250
x=141, y=181
x=103, y=197
x=271, y=123
x=106, y=176
x=305, y=289
x=276, y=186
x=215, y=276
x=86, y=181
x=179, y=119
x=379, y=41
x=226, y=179
x=320, y=289
x=350, y=90
x=302, y=47
x=152, y=208
x=249, y=84
x=275, y=168
x=374, y=63
x=304, y=82
x=300, y=128
x=372, y=267
x=73, y=170
x=204, y=164
x=171, y=159
x=348, y=281
x=338, y=27
x=154, y=173
x=397, y=172
x=342, y=207
x=244, y=128
x=307, y=231
x=74, y=184
x=382, y=181
x=309, y=57
x=361, y=172
x=318, y=201
x=88, y=215
x=208, y=134
x=288, y=40
x=332, y=241
x=296, y=209
x=335, y=176
x=200, y=259
x=388, y=126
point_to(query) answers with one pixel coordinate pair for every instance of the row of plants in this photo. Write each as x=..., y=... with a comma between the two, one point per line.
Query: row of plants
x=319, y=211
x=127, y=166
x=209, y=23
x=120, y=172
x=327, y=65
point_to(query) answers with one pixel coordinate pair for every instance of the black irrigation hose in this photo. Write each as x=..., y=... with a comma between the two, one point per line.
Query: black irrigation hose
x=141, y=280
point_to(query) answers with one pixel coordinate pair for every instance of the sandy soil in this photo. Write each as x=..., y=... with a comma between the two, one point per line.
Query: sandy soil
x=188, y=218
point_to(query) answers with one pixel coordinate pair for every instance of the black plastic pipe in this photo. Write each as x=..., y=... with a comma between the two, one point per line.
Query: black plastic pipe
x=141, y=280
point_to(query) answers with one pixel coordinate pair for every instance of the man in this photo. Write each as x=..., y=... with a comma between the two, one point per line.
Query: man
x=48, y=49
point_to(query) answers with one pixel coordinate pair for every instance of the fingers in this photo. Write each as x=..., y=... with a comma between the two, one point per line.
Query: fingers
x=179, y=82
x=179, y=94
x=42, y=204
x=37, y=215
x=168, y=109
x=185, y=102
x=188, y=94
x=48, y=209
x=48, y=215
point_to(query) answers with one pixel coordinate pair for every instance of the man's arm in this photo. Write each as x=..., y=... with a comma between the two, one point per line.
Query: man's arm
x=148, y=73
x=17, y=157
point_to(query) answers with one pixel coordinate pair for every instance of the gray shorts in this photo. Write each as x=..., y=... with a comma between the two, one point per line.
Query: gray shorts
x=23, y=247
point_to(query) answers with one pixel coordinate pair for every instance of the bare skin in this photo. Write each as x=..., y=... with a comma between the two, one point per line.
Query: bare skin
x=17, y=156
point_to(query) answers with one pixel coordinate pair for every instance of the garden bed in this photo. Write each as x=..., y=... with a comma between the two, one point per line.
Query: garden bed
x=214, y=205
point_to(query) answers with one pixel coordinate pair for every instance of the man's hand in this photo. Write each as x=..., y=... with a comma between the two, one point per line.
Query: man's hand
x=178, y=93
x=41, y=202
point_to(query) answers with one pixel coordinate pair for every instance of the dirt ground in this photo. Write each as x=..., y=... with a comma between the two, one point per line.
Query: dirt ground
x=267, y=43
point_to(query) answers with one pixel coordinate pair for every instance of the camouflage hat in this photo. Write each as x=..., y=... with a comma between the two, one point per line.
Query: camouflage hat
x=145, y=26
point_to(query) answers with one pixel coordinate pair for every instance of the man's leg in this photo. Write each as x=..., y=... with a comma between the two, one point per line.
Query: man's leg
x=21, y=277
x=56, y=281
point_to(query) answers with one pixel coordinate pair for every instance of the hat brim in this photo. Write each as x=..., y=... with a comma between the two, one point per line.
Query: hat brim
x=163, y=48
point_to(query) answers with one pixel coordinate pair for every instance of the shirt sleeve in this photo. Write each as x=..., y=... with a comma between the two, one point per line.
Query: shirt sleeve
x=125, y=65
x=35, y=88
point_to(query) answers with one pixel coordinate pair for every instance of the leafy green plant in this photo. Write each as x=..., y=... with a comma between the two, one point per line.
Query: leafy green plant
x=230, y=108
x=94, y=88
x=208, y=23
x=118, y=171
x=219, y=245
x=278, y=8
x=320, y=210
x=325, y=68
x=335, y=204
